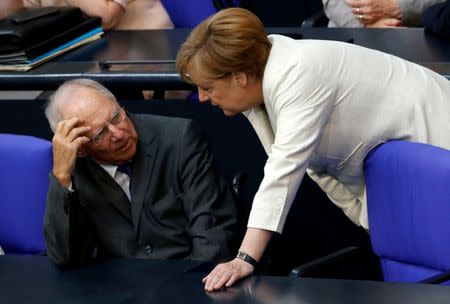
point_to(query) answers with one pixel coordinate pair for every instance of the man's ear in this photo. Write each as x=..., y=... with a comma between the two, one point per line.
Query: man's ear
x=82, y=152
x=241, y=78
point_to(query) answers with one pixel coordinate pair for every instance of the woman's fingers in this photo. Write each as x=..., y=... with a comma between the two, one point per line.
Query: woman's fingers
x=221, y=280
x=232, y=280
x=225, y=275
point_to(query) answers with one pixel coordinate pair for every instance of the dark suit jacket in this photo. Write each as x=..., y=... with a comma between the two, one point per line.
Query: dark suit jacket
x=437, y=19
x=180, y=208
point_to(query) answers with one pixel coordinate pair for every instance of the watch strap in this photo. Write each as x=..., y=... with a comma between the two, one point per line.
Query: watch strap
x=247, y=258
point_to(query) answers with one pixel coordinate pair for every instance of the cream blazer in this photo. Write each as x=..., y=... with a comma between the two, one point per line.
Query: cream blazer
x=139, y=14
x=326, y=105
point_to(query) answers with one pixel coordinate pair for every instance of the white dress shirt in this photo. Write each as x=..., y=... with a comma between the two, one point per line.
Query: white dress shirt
x=121, y=178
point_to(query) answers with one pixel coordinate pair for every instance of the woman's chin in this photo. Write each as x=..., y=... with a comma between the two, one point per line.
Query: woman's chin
x=229, y=113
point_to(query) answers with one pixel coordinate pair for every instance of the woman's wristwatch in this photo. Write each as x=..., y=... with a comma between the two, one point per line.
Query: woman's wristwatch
x=245, y=257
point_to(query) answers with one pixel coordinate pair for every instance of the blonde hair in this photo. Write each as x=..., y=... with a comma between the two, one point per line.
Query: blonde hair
x=232, y=40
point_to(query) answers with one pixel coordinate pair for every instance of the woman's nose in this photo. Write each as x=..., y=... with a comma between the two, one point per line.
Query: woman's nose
x=202, y=95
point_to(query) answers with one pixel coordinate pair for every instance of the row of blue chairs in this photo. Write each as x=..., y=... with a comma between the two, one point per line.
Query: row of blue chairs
x=187, y=14
x=408, y=190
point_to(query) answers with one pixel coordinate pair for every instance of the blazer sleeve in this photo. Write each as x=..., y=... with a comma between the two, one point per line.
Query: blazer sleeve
x=437, y=19
x=68, y=236
x=208, y=202
x=412, y=10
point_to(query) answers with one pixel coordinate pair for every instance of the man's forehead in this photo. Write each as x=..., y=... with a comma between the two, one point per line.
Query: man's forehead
x=87, y=104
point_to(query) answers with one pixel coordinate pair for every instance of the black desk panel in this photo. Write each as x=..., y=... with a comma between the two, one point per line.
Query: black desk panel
x=284, y=290
x=34, y=279
x=149, y=56
x=156, y=47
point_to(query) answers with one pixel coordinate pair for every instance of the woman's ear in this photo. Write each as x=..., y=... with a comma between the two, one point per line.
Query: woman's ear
x=241, y=78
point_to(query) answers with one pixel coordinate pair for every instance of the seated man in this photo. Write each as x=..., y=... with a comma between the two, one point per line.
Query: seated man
x=172, y=205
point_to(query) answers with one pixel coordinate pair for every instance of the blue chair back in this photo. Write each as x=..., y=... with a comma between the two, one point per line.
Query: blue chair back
x=187, y=14
x=25, y=162
x=408, y=196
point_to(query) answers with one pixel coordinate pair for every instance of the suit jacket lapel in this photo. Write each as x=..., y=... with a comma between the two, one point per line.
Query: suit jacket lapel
x=142, y=166
x=109, y=190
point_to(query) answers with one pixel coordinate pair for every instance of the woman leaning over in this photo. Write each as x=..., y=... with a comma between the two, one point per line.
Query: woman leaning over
x=317, y=107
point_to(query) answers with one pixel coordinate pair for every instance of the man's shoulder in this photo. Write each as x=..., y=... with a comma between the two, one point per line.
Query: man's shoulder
x=159, y=121
x=163, y=126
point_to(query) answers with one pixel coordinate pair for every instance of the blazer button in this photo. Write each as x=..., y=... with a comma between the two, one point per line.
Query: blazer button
x=148, y=249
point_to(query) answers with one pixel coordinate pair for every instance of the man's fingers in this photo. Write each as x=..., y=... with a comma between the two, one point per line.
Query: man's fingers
x=76, y=132
x=78, y=142
x=65, y=126
x=393, y=22
x=360, y=10
x=356, y=3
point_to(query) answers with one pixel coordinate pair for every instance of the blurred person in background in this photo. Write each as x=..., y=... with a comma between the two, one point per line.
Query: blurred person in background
x=115, y=14
x=375, y=13
x=436, y=19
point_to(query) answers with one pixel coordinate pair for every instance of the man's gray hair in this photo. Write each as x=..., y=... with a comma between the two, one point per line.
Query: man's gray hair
x=61, y=96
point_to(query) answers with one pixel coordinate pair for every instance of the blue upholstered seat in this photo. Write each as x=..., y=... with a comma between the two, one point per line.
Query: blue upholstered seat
x=25, y=162
x=408, y=194
x=187, y=14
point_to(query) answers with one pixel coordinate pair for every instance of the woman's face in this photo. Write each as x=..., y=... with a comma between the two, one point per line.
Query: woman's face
x=234, y=93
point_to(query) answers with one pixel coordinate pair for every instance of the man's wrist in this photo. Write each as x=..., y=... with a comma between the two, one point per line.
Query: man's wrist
x=64, y=180
x=247, y=258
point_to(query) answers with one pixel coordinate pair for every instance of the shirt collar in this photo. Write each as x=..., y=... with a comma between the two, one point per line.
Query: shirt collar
x=110, y=169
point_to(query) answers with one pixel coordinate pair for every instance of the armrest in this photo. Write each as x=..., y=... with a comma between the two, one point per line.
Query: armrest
x=315, y=266
x=437, y=279
x=318, y=19
x=237, y=184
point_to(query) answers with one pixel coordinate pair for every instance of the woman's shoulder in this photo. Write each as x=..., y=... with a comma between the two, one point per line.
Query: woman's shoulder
x=294, y=59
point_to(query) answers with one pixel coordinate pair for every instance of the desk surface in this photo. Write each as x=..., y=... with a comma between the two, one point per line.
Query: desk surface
x=26, y=279
x=159, y=48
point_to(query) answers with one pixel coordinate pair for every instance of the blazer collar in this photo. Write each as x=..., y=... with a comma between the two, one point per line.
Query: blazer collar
x=259, y=119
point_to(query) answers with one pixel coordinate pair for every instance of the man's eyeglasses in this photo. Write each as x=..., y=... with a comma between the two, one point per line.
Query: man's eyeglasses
x=117, y=117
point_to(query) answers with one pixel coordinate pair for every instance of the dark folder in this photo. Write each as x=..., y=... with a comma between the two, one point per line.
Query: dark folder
x=41, y=47
x=34, y=33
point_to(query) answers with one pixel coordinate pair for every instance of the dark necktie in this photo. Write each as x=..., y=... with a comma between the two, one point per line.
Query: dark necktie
x=125, y=168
